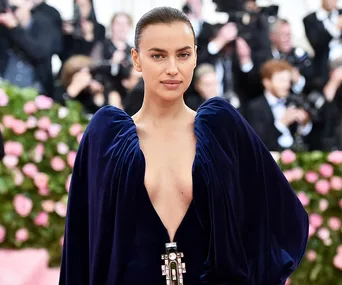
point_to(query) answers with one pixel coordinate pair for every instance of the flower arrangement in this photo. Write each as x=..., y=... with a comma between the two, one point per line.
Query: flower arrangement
x=317, y=179
x=42, y=138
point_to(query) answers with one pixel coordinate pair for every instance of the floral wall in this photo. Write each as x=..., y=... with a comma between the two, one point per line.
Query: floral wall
x=41, y=143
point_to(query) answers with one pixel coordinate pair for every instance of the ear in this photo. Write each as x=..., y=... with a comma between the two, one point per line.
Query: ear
x=266, y=82
x=135, y=59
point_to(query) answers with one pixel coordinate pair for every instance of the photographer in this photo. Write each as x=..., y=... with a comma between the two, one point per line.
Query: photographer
x=113, y=55
x=81, y=34
x=26, y=48
x=279, y=126
x=78, y=83
x=282, y=48
x=327, y=132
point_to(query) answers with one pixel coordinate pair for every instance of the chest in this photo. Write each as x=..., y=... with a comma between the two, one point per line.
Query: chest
x=169, y=161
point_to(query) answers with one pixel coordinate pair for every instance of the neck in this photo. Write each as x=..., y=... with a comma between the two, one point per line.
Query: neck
x=159, y=112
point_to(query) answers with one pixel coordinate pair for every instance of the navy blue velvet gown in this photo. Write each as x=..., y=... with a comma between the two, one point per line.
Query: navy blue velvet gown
x=244, y=226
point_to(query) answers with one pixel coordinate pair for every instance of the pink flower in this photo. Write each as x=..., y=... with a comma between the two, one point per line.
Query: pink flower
x=22, y=235
x=10, y=161
x=22, y=205
x=42, y=220
x=3, y=98
x=30, y=170
x=38, y=153
x=303, y=198
x=18, y=177
x=336, y=183
x=19, y=127
x=323, y=234
x=75, y=129
x=67, y=184
x=326, y=170
x=31, y=122
x=41, y=180
x=297, y=173
x=288, y=175
x=60, y=209
x=48, y=206
x=41, y=135
x=322, y=187
x=311, y=177
x=8, y=121
x=62, y=148
x=312, y=230
x=335, y=157
x=54, y=130
x=339, y=249
x=2, y=233
x=71, y=158
x=44, y=192
x=30, y=108
x=340, y=203
x=43, y=103
x=57, y=163
x=311, y=255
x=79, y=137
x=288, y=282
x=338, y=261
x=334, y=223
x=323, y=205
x=316, y=220
x=287, y=156
x=44, y=123
x=14, y=148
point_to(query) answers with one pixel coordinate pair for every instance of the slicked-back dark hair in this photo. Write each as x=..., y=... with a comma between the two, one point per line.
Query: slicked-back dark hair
x=160, y=15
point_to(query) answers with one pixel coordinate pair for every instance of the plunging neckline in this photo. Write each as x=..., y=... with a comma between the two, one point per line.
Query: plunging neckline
x=144, y=173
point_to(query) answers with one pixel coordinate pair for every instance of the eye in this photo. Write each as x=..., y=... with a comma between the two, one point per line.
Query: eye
x=184, y=55
x=157, y=56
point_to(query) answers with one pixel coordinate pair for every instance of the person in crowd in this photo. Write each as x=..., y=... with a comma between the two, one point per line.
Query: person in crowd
x=78, y=83
x=26, y=47
x=282, y=47
x=279, y=125
x=323, y=29
x=169, y=188
x=83, y=32
x=113, y=55
x=327, y=132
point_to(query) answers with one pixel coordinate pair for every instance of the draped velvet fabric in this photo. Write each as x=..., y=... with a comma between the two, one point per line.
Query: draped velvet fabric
x=258, y=227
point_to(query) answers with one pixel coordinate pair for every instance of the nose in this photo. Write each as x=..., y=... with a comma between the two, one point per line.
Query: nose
x=172, y=68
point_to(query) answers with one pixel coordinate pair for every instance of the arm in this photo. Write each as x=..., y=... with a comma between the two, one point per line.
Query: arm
x=316, y=33
x=36, y=48
x=75, y=260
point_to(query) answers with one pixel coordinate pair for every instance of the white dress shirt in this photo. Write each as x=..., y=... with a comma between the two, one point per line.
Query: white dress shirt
x=330, y=24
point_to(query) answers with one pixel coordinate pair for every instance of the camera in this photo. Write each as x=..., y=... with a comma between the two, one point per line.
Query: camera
x=310, y=104
x=4, y=6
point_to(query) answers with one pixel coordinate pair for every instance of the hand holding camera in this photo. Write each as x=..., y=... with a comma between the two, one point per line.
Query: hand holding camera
x=293, y=115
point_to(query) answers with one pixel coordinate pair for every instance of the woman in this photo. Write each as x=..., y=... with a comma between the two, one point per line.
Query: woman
x=203, y=181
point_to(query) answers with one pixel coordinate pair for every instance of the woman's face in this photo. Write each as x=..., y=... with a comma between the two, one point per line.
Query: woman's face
x=85, y=8
x=166, y=58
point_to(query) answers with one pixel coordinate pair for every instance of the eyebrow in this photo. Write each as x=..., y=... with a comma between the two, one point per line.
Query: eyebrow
x=162, y=50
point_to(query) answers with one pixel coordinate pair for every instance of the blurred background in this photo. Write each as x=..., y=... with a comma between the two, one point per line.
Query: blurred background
x=279, y=63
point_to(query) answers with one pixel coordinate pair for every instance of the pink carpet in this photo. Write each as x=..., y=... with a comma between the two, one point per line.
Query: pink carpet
x=26, y=267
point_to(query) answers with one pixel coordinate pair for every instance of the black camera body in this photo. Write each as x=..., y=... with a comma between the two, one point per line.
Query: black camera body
x=310, y=104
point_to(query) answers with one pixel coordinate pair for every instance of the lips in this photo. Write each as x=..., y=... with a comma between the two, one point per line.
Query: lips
x=171, y=81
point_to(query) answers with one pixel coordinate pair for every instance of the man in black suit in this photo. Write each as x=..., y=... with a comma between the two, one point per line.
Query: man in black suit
x=277, y=124
x=323, y=29
x=27, y=43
